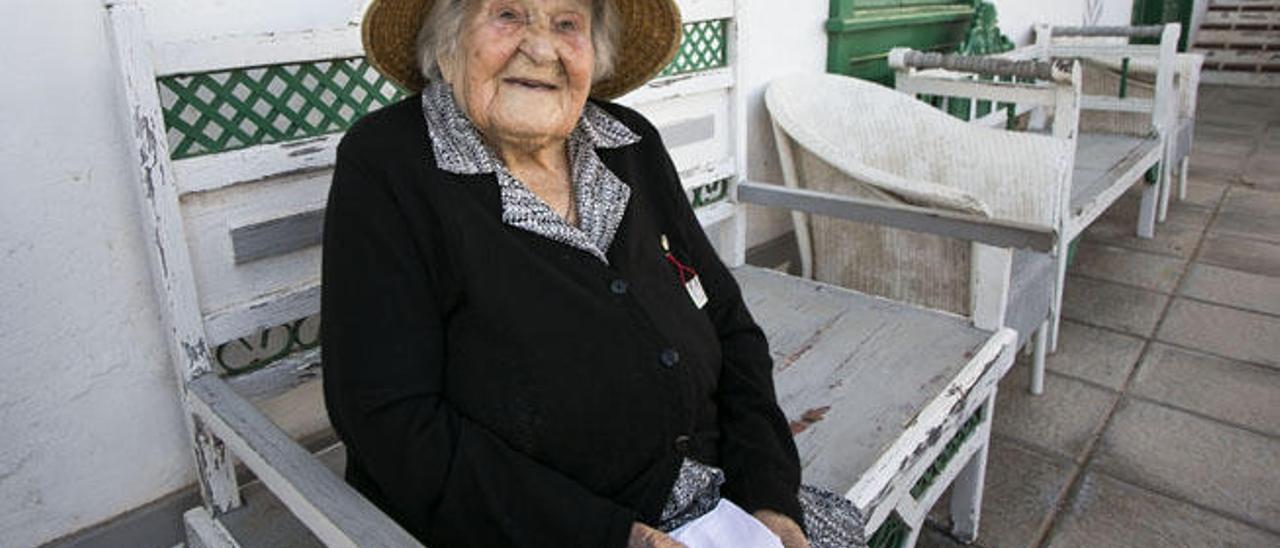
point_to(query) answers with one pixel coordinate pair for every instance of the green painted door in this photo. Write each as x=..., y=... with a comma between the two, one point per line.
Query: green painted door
x=1152, y=12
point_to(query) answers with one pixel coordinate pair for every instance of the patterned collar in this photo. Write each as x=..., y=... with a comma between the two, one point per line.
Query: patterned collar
x=601, y=198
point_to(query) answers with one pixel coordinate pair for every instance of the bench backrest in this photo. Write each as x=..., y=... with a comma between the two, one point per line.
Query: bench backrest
x=237, y=136
x=1107, y=101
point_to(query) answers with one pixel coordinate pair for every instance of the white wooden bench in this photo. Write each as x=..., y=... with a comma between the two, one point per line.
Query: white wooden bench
x=1135, y=77
x=1104, y=164
x=1112, y=69
x=235, y=139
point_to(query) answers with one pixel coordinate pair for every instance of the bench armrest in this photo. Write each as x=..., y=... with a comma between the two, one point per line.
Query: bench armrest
x=994, y=232
x=331, y=509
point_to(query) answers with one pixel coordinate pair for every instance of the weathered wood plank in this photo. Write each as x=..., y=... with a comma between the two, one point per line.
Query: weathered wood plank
x=333, y=510
x=171, y=270
x=832, y=345
x=215, y=171
x=247, y=50
x=994, y=232
x=277, y=236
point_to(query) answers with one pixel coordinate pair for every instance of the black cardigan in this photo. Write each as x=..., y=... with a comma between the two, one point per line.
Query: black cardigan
x=495, y=388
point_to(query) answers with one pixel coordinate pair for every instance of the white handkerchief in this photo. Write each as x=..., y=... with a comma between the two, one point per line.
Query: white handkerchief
x=727, y=526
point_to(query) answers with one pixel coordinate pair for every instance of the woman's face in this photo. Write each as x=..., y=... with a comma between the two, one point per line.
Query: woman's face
x=524, y=68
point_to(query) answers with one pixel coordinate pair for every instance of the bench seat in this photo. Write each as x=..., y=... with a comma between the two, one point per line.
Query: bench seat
x=870, y=385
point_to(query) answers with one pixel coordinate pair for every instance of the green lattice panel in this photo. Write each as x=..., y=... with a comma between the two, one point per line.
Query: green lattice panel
x=891, y=534
x=253, y=352
x=227, y=110
x=710, y=193
x=949, y=452
x=703, y=47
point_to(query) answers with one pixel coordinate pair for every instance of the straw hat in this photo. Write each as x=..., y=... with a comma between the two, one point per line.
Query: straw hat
x=650, y=37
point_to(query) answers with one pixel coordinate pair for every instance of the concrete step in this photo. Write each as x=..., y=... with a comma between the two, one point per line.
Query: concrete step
x=1243, y=39
x=1256, y=5
x=1236, y=59
x=1246, y=20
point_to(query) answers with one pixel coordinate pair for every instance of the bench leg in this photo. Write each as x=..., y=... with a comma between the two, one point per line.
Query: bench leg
x=1166, y=188
x=1149, y=210
x=216, y=470
x=1037, y=361
x=1182, y=177
x=966, y=491
x=1060, y=284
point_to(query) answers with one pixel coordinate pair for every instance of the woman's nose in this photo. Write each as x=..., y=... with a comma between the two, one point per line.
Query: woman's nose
x=537, y=44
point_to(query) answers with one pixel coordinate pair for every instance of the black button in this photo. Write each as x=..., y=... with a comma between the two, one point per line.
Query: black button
x=682, y=444
x=669, y=357
x=618, y=287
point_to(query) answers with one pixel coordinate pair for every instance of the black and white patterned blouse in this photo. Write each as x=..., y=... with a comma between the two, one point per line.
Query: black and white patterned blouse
x=599, y=196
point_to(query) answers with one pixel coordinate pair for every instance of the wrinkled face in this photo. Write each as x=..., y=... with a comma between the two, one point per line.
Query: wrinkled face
x=523, y=71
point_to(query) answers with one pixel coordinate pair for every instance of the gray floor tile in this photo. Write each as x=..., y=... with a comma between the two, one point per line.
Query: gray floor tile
x=1117, y=264
x=1023, y=489
x=1219, y=466
x=1174, y=239
x=1111, y=305
x=1241, y=254
x=1062, y=421
x=931, y=537
x=1220, y=143
x=1235, y=392
x=1247, y=201
x=1215, y=166
x=1106, y=512
x=1233, y=288
x=1266, y=228
x=1263, y=172
x=1223, y=331
x=1096, y=355
x=1127, y=208
x=1204, y=192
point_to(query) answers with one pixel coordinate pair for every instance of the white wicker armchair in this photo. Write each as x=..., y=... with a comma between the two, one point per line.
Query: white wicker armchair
x=847, y=136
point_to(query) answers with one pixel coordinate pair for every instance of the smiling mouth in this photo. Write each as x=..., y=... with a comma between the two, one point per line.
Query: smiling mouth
x=532, y=84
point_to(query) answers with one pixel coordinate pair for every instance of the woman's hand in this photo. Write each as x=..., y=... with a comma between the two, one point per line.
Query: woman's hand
x=786, y=529
x=643, y=536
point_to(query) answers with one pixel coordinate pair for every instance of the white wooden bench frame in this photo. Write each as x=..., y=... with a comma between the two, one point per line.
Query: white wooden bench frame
x=1067, y=102
x=225, y=426
x=1183, y=75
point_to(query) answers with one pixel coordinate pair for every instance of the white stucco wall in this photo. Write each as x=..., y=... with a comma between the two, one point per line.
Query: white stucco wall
x=89, y=420
x=1018, y=16
x=781, y=38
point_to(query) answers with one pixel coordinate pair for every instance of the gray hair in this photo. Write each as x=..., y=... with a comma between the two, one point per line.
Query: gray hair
x=440, y=36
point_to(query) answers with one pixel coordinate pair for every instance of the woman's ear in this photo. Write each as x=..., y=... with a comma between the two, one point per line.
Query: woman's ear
x=448, y=67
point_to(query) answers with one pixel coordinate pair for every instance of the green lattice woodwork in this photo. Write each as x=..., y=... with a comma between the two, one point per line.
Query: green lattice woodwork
x=948, y=453
x=861, y=32
x=228, y=110
x=222, y=111
x=892, y=533
x=703, y=47
x=256, y=351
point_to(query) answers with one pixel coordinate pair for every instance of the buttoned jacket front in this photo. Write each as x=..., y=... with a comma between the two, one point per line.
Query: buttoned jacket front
x=498, y=388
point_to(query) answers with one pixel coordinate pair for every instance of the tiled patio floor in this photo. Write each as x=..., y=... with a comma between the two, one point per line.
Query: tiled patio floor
x=1160, y=422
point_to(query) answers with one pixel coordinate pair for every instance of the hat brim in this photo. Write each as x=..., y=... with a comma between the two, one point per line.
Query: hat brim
x=649, y=39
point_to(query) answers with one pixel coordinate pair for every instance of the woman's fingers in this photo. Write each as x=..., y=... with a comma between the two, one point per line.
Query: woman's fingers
x=788, y=532
x=643, y=536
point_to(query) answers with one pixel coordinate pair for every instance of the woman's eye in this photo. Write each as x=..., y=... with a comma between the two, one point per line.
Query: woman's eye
x=567, y=25
x=508, y=15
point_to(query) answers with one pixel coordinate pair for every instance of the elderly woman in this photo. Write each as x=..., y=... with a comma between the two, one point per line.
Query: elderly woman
x=529, y=340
